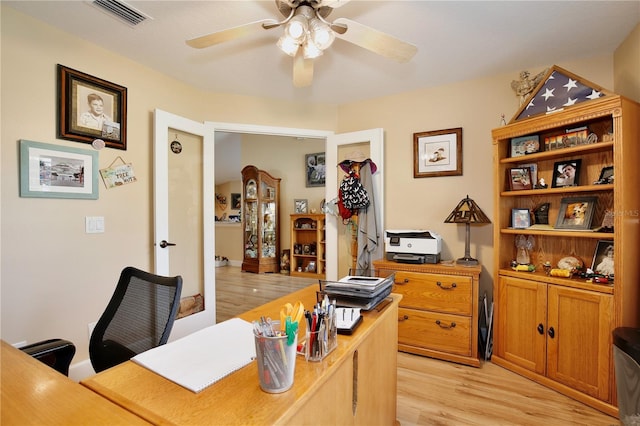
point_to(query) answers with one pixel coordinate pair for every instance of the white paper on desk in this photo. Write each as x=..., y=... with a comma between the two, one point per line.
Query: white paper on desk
x=204, y=357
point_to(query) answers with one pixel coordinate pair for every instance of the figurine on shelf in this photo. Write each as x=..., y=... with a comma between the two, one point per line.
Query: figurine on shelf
x=524, y=246
x=542, y=184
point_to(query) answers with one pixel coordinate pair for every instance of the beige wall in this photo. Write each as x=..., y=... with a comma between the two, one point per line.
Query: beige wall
x=626, y=66
x=56, y=279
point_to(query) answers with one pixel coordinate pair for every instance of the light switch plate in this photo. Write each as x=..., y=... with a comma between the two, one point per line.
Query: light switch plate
x=94, y=224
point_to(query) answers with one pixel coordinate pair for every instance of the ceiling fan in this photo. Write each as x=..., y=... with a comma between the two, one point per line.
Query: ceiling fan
x=307, y=34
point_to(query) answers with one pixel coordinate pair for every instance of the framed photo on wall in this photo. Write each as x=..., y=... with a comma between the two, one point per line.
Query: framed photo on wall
x=437, y=153
x=53, y=171
x=315, y=169
x=90, y=108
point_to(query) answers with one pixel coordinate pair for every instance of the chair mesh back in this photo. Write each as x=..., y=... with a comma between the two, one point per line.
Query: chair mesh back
x=139, y=317
x=141, y=320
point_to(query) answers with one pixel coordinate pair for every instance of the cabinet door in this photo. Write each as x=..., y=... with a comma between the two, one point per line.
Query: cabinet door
x=579, y=348
x=375, y=378
x=521, y=319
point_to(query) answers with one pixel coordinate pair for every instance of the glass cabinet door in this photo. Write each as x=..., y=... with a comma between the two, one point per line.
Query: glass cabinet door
x=269, y=221
x=251, y=220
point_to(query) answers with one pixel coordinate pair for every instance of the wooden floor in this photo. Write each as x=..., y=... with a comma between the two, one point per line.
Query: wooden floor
x=431, y=392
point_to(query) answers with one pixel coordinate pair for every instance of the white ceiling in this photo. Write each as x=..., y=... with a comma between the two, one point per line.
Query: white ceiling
x=456, y=41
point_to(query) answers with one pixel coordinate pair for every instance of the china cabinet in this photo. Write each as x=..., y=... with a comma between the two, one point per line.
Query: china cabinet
x=308, y=245
x=552, y=329
x=260, y=209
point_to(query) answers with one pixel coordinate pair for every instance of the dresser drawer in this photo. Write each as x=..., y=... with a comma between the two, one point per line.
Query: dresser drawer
x=434, y=330
x=443, y=293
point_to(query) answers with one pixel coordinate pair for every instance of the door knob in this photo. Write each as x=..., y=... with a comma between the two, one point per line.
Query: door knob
x=165, y=244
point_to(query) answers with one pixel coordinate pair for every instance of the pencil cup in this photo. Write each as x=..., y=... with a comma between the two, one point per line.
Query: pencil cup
x=276, y=361
x=322, y=342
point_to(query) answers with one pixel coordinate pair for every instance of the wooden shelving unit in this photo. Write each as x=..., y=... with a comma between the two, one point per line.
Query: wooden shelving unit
x=558, y=331
x=308, y=245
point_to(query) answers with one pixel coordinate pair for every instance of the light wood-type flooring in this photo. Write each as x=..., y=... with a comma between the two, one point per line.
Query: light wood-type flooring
x=430, y=391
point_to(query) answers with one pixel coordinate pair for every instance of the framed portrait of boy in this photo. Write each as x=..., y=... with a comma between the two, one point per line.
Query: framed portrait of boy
x=90, y=109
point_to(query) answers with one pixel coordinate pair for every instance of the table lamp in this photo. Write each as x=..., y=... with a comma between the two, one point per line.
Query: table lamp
x=467, y=212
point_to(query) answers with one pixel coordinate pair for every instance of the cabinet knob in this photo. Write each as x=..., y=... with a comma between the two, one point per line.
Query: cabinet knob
x=452, y=286
x=405, y=281
x=540, y=328
x=403, y=318
x=452, y=325
x=551, y=332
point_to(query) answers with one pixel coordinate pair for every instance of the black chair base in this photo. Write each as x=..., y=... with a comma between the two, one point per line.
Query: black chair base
x=56, y=353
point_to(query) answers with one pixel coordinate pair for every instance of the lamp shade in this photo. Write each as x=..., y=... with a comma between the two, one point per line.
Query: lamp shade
x=467, y=211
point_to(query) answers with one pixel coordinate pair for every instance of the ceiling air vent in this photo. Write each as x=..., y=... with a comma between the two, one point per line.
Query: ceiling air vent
x=122, y=11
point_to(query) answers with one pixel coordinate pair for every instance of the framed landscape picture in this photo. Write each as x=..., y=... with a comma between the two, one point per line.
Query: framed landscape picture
x=54, y=171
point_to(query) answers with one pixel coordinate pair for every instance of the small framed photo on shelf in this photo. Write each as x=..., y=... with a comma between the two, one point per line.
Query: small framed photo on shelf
x=525, y=145
x=606, y=176
x=519, y=178
x=576, y=213
x=566, y=173
x=602, y=262
x=534, y=172
x=300, y=206
x=520, y=218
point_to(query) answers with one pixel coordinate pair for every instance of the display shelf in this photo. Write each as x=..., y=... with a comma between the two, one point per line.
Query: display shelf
x=308, y=245
x=544, y=310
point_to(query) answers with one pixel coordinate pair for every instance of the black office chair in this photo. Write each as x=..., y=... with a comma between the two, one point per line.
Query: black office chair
x=56, y=353
x=139, y=317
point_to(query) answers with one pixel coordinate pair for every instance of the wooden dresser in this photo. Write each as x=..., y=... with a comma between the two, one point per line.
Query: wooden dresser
x=438, y=313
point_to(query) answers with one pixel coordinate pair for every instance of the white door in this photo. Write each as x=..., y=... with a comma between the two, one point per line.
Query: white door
x=184, y=208
x=371, y=143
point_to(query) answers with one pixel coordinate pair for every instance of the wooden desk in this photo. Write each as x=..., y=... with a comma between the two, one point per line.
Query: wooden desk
x=359, y=375
x=36, y=394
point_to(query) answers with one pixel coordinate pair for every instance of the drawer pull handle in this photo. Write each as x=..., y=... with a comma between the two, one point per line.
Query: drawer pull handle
x=403, y=318
x=452, y=325
x=453, y=285
x=405, y=281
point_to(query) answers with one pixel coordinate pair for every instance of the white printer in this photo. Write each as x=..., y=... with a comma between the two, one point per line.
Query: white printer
x=413, y=245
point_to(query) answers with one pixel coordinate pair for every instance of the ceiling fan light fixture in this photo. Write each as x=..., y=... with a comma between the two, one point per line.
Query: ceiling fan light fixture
x=321, y=33
x=288, y=45
x=311, y=50
x=297, y=28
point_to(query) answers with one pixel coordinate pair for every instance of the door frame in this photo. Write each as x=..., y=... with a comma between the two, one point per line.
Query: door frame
x=375, y=137
x=163, y=122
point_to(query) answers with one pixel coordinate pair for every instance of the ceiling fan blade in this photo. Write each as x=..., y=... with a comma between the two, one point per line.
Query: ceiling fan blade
x=332, y=3
x=231, y=33
x=302, y=71
x=375, y=41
